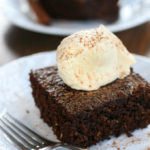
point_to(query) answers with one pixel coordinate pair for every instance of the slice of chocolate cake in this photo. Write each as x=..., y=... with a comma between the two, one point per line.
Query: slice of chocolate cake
x=84, y=118
x=77, y=9
x=82, y=9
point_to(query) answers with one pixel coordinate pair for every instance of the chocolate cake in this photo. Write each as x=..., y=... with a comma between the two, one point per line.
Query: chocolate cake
x=85, y=118
x=80, y=9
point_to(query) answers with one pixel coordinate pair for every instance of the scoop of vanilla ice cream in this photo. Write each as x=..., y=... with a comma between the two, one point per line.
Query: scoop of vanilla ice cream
x=93, y=58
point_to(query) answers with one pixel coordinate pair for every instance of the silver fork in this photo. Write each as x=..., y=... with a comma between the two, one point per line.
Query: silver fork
x=25, y=138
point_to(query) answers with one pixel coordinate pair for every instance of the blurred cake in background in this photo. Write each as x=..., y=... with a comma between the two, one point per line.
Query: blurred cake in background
x=106, y=10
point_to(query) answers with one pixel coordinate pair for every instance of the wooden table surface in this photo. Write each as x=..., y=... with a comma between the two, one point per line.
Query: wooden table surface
x=16, y=42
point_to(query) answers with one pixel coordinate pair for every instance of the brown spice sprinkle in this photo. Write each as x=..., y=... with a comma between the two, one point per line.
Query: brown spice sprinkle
x=114, y=143
x=27, y=111
x=90, y=40
x=90, y=86
x=81, y=82
x=89, y=77
x=133, y=141
x=148, y=134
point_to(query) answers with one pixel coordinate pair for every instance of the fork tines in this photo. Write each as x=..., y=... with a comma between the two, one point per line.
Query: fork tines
x=20, y=134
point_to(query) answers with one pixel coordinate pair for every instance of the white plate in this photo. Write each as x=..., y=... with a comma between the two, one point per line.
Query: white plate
x=16, y=98
x=132, y=13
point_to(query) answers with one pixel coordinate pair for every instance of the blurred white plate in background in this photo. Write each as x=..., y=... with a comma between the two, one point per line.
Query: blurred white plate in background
x=132, y=13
